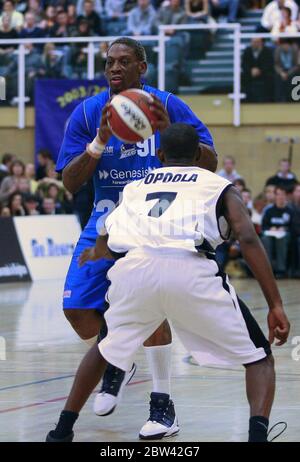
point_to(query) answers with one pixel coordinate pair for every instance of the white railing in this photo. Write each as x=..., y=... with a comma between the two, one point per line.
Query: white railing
x=161, y=39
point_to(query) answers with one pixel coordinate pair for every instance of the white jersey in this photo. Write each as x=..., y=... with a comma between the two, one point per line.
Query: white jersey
x=172, y=207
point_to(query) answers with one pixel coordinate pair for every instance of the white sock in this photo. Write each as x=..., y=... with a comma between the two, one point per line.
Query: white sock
x=91, y=341
x=159, y=361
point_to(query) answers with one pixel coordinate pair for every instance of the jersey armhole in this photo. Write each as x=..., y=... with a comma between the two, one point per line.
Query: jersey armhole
x=220, y=214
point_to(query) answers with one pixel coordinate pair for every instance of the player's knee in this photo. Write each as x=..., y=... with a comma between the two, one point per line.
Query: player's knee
x=162, y=336
x=85, y=323
x=267, y=363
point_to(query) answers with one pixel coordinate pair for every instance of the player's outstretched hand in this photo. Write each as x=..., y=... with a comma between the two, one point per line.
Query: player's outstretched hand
x=88, y=254
x=104, y=131
x=160, y=113
x=279, y=326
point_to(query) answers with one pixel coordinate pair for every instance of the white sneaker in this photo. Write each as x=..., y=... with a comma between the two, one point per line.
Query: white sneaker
x=162, y=421
x=110, y=394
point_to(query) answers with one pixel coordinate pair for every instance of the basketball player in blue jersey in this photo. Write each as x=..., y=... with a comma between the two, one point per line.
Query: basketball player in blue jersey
x=164, y=235
x=88, y=152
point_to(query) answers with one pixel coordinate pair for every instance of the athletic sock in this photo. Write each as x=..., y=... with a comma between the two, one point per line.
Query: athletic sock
x=159, y=361
x=65, y=424
x=258, y=429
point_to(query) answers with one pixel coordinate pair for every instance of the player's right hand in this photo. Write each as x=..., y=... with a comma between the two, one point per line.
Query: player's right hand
x=104, y=132
x=88, y=254
x=279, y=326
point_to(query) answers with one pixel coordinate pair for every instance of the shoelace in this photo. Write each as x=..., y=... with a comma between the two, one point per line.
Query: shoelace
x=157, y=412
x=112, y=380
x=280, y=433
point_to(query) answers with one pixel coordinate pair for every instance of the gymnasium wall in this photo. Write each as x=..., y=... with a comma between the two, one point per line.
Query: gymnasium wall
x=256, y=158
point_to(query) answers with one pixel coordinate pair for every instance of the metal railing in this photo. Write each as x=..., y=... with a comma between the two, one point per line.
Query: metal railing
x=161, y=39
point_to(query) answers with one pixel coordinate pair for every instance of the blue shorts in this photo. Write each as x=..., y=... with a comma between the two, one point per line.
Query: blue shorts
x=85, y=287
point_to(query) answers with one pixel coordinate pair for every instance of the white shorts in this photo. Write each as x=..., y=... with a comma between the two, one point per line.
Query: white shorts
x=185, y=288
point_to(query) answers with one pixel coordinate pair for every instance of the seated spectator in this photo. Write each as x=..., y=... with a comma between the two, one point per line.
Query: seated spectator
x=272, y=14
x=115, y=8
x=295, y=237
x=44, y=159
x=16, y=205
x=78, y=55
x=287, y=59
x=247, y=199
x=31, y=204
x=30, y=28
x=230, y=7
x=258, y=72
x=80, y=7
x=92, y=17
x=285, y=24
x=10, y=184
x=141, y=19
x=284, y=178
x=35, y=7
x=7, y=160
x=100, y=59
x=49, y=19
x=52, y=60
x=61, y=27
x=276, y=231
x=48, y=207
x=269, y=193
x=259, y=204
x=6, y=32
x=228, y=171
x=197, y=10
x=24, y=186
x=16, y=18
x=30, y=175
x=240, y=184
x=171, y=14
x=72, y=19
x=56, y=193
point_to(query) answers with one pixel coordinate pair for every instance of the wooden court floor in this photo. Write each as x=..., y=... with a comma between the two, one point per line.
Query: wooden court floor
x=42, y=354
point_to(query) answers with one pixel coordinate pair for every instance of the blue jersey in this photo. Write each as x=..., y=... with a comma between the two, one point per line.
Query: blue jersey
x=120, y=162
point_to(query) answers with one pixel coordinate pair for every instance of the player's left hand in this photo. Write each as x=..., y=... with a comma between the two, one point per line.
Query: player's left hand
x=160, y=113
x=88, y=254
x=279, y=326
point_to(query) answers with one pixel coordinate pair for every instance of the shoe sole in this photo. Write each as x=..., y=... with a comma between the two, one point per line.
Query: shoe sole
x=67, y=439
x=132, y=372
x=158, y=436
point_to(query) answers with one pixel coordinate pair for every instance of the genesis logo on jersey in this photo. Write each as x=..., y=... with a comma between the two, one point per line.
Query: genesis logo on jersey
x=122, y=177
x=103, y=175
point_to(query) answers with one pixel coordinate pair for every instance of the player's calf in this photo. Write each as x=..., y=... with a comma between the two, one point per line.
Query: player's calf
x=86, y=323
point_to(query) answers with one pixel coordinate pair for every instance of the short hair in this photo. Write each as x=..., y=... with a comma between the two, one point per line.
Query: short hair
x=136, y=46
x=288, y=10
x=45, y=153
x=247, y=190
x=285, y=160
x=7, y=157
x=229, y=158
x=179, y=142
x=280, y=188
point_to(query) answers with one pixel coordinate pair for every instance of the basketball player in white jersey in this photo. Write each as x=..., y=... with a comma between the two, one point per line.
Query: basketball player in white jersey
x=164, y=234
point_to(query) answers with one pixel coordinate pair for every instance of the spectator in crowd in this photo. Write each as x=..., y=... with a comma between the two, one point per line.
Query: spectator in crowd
x=16, y=205
x=60, y=28
x=247, y=199
x=7, y=160
x=172, y=13
x=44, y=158
x=31, y=204
x=55, y=193
x=258, y=72
x=48, y=207
x=16, y=18
x=97, y=6
x=92, y=17
x=49, y=19
x=78, y=54
x=284, y=177
x=286, y=67
x=30, y=175
x=6, y=32
x=228, y=171
x=100, y=59
x=259, y=204
x=295, y=237
x=35, y=7
x=229, y=7
x=52, y=60
x=276, y=231
x=141, y=19
x=197, y=10
x=24, y=186
x=272, y=13
x=10, y=183
x=240, y=184
x=284, y=24
x=269, y=193
x=30, y=28
x=115, y=8
x=72, y=18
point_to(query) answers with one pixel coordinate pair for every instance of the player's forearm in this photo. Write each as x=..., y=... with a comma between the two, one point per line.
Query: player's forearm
x=78, y=172
x=208, y=157
x=257, y=260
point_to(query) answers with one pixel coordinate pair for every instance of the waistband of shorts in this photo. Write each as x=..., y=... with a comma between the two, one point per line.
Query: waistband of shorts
x=162, y=252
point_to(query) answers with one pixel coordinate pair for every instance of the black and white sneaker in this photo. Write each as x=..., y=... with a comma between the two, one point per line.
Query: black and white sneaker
x=162, y=421
x=53, y=438
x=110, y=394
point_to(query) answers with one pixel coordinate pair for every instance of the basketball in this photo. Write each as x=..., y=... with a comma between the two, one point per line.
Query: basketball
x=130, y=116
